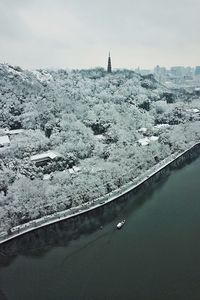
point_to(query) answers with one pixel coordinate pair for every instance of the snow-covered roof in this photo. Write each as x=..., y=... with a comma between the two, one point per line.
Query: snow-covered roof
x=15, y=131
x=159, y=126
x=46, y=176
x=99, y=137
x=142, y=129
x=193, y=110
x=6, y=131
x=153, y=138
x=147, y=140
x=4, y=140
x=76, y=169
x=144, y=142
x=45, y=155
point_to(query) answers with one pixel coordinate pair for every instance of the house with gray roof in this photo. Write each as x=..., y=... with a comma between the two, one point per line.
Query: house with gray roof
x=44, y=157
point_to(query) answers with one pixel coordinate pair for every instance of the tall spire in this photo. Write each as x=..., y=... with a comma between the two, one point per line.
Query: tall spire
x=109, y=68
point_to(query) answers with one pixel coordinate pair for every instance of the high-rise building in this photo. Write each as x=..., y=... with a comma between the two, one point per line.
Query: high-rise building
x=177, y=71
x=109, y=68
x=197, y=70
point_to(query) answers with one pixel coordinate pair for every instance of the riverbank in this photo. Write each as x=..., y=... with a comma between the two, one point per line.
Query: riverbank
x=84, y=208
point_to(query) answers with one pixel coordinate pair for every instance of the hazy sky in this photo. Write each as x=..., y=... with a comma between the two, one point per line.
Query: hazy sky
x=79, y=33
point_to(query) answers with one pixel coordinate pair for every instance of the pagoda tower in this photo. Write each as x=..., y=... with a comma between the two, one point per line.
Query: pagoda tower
x=109, y=68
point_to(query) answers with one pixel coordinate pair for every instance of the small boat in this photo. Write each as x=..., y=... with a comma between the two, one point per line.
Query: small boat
x=120, y=224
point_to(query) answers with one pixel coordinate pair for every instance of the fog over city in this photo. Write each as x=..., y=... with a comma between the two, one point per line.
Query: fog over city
x=79, y=34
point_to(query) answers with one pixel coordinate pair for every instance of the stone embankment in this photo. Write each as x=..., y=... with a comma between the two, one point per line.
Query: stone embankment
x=81, y=209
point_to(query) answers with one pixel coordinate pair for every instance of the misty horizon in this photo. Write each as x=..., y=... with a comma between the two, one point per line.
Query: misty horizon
x=70, y=34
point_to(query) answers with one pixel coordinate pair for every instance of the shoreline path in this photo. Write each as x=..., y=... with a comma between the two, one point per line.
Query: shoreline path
x=72, y=212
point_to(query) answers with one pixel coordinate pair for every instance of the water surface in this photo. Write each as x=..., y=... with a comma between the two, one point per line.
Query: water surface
x=156, y=255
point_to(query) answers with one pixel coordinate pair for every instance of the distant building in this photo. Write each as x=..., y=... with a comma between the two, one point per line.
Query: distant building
x=76, y=169
x=142, y=130
x=193, y=110
x=16, y=131
x=47, y=176
x=147, y=140
x=42, y=158
x=160, y=71
x=197, y=70
x=109, y=67
x=177, y=71
x=145, y=72
x=161, y=126
x=144, y=141
x=11, y=132
x=4, y=141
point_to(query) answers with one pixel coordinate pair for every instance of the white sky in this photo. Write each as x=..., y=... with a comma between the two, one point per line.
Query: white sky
x=79, y=33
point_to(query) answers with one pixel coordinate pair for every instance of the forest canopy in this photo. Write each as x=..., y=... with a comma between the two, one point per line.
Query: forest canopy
x=97, y=122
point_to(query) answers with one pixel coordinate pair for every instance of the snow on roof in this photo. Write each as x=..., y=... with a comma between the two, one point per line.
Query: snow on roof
x=53, y=154
x=45, y=155
x=161, y=126
x=143, y=129
x=147, y=140
x=15, y=131
x=153, y=138
x=99, y=137
x=46, y=176
x=194, y=110
x=144, y=142
x=197, y=89
x=71, y=171
x=76, y=169
x=4, y=140
x=12, y=131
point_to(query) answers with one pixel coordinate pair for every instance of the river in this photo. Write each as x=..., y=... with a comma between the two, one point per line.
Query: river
x=156, y=255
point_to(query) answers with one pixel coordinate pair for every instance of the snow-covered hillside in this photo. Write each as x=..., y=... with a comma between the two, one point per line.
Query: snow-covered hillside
x=103, y=130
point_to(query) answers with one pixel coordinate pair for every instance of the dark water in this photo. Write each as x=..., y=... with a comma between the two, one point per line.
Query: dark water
x=155, y=256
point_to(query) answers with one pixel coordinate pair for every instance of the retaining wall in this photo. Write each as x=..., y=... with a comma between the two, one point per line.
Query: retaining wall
x=151, y=176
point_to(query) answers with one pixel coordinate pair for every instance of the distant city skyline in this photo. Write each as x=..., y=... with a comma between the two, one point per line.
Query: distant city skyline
x=79, y=34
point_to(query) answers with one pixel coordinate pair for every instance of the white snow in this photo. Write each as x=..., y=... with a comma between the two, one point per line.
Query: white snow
x=99, y=137
x=46, y=176
x=43, y=76
x=147, y=140
x=153, y=138
x=12, y=72
x=143, y=130
x=193, y=110
x=4, y=140
x=144, y=142
x=15, y=131
x=45, y=155
x=76, y=169
x=159, y=126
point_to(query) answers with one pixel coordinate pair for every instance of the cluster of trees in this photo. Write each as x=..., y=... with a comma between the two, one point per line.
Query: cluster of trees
x=93, y=120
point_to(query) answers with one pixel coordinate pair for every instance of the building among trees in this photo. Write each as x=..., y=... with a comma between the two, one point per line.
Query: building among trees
x=44, y=157
x=197, y=71
x=4, y=141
